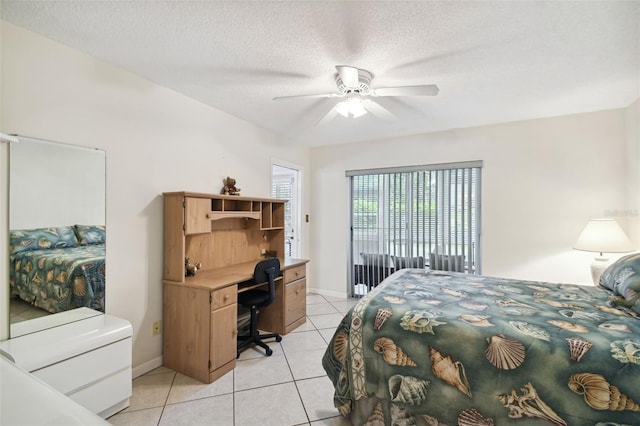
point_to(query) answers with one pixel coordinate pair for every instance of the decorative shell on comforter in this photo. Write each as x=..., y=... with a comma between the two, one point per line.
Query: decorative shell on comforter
x=392, y=354
x=376, y=418
x=599, y=394
x=407, y=389
x=381, y=317
x=420, y=321
x=472, y=417
x=578, y=347
x=452, y=372
x=505, y=353
x=626, y=351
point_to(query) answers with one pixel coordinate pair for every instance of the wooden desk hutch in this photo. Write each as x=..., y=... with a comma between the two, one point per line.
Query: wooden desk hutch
x=228, y=235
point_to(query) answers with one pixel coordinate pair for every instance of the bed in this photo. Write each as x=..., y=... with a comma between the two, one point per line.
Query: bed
x=58, y=268
x=435, y=348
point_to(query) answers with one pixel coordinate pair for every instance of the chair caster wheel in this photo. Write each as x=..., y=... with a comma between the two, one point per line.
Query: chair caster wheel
x=269, y=352
x=279, y=339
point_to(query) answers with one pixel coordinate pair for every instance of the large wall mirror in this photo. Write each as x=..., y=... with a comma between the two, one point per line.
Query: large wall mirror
x=57, y=234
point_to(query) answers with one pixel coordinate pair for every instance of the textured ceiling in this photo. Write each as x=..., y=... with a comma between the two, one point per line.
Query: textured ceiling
x=494, y=61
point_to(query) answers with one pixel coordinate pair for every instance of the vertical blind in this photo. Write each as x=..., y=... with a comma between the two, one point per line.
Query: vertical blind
x=419, y=216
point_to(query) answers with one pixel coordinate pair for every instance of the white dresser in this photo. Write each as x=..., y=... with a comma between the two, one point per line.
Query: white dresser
x=89, y=359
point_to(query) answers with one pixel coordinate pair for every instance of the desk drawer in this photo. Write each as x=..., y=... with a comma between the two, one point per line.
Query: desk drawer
x=296, y=305
x=224, y=296
x=296, y=273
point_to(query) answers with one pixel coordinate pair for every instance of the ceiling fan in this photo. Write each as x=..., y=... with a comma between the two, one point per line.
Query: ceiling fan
x=354, y=85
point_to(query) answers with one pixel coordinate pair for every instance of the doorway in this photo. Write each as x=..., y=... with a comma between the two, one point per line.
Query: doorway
x=285, y=185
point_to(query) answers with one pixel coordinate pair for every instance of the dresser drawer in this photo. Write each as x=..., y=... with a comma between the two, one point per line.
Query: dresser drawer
x=224, y=296
x=296, y=305
x=94, y=366
x=296, y=273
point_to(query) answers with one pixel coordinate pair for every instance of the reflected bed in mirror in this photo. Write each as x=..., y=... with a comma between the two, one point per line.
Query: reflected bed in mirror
x=57, y=234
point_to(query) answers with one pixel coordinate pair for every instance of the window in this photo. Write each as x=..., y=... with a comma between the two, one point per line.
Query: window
x=420, y=216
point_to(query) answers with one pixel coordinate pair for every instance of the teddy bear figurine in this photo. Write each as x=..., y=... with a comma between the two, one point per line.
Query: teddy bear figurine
x=190, y=269
x=230, y=187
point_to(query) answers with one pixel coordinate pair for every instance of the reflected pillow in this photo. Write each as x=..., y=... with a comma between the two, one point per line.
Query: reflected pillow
x=622, y=278
x=91, y=234
x=41, y=238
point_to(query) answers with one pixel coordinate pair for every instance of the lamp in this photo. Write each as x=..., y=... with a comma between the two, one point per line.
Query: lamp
x=602, y=235
x=353, y=107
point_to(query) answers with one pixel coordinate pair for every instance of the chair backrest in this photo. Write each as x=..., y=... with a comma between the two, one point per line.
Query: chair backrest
x=266, y=271
x=408, y=262
x=444, y=262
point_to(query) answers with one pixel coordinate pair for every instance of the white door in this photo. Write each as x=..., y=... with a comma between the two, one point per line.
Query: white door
x=285, y=181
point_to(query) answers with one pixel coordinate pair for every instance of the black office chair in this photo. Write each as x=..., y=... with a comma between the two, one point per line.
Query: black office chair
x=265, y=271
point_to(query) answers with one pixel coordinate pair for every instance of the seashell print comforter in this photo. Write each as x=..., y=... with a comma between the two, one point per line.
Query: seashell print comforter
x=445, y=348
x=61, y=279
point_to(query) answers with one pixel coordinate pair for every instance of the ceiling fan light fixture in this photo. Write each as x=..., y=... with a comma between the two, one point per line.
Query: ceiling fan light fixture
x=353, y=107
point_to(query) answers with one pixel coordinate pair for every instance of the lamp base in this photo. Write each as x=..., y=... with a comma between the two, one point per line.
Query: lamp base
x=598, y=266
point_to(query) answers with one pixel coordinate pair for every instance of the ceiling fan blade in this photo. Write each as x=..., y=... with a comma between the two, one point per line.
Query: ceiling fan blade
x=319, y=95
x=425, y=90
x=378, y=110
x=328, y=116
x=348, y=75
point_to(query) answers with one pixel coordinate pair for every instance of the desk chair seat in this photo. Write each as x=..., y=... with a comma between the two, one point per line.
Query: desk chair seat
x=266, y=271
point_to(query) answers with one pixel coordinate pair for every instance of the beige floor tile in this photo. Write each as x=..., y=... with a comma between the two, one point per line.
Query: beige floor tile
x=337, y=299
x=317, y=397
x=321, y=308
x=307, y=326
x=217, y=410
x=327, y=334
x=306, y=364
x=265, y=371
x=159, y=370
x=312, y=299
x=343, y=307
x=326, y=320
x=148, y=417
x=332, y=421
x=303, y=341
x=150, y=391
x=187, y=389
x=278, y=405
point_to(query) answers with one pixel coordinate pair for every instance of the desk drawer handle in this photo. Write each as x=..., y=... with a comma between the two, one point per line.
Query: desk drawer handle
x=226, y=297
x=298, y=291
x=234, y=332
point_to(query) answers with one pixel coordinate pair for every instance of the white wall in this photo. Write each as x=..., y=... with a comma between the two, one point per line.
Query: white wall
x=55, y=184
x=156, y=140
x=631, y=216
x=541, y=182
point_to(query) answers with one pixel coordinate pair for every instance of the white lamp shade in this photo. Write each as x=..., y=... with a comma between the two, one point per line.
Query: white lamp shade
x=603, y=236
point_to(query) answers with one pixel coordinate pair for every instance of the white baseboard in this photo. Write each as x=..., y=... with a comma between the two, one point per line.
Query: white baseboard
x=327, y=292
x=144, y=368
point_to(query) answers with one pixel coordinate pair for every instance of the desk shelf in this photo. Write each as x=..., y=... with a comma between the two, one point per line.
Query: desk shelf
x=219, y=230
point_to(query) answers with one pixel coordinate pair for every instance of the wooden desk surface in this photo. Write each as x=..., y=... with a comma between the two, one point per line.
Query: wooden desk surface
x=229, y=275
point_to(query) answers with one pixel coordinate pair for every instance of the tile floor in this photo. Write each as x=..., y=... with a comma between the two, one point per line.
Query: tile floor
x=288, y=388
x=19, y=310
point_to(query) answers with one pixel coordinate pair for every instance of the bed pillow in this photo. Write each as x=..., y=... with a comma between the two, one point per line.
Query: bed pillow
x=41, y=238
x=622, y=278
x=91, y=234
